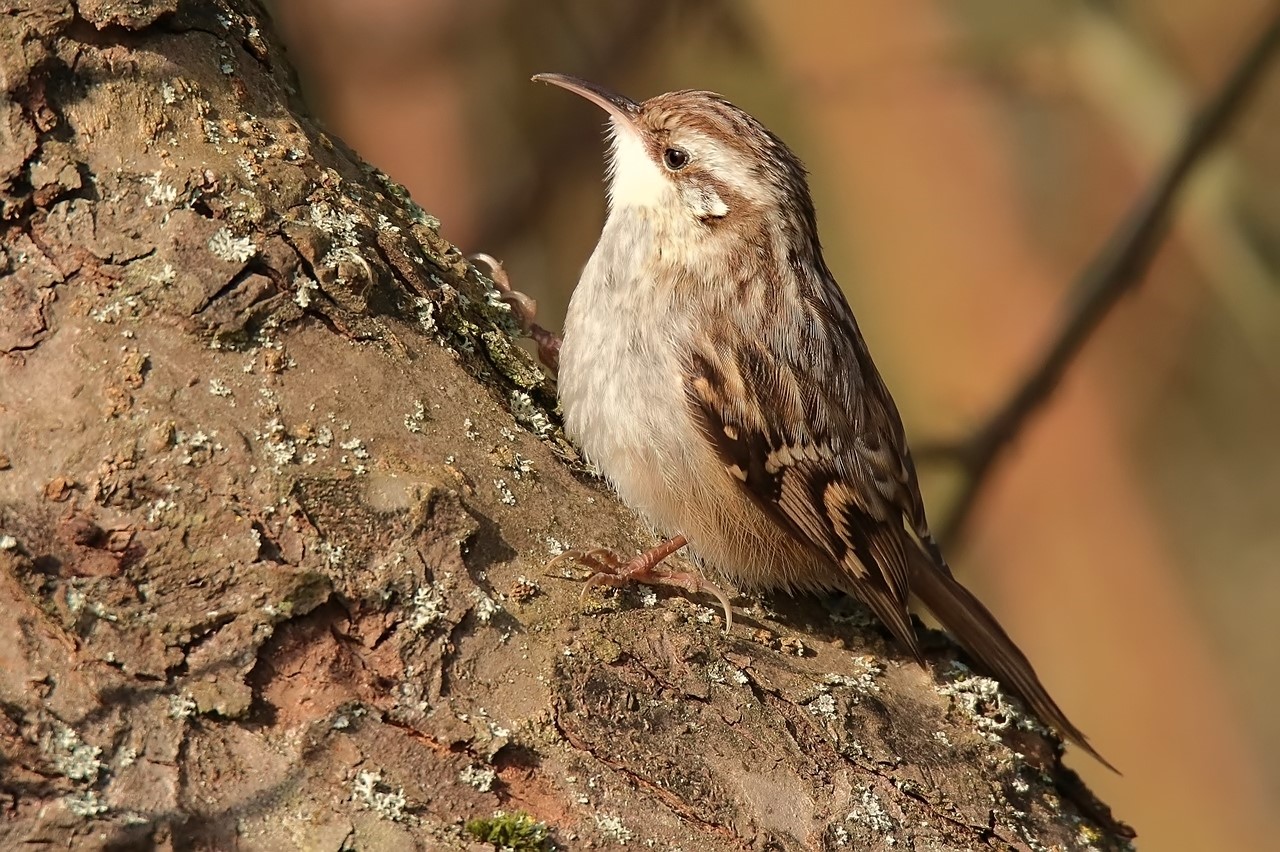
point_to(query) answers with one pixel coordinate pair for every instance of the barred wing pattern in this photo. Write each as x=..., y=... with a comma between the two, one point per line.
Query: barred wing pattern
x=828, y=462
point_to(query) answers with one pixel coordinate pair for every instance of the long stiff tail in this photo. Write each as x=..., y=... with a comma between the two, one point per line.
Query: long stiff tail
x=982, y=636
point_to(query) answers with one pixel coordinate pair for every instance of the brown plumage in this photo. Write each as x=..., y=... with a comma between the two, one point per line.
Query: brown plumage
x=713, y=370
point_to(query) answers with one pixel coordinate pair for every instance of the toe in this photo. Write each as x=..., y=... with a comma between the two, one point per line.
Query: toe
x=497, y=274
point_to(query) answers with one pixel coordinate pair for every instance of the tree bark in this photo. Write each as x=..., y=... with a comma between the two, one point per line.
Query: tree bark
x=277, y=492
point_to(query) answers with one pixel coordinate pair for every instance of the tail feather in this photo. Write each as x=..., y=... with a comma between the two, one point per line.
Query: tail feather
x=981, y=635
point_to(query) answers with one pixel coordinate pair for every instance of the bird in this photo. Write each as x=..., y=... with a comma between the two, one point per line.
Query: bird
x=712, y=369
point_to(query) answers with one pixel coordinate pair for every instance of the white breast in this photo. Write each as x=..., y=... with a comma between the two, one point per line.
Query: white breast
x=620, y=382
x=621, y=385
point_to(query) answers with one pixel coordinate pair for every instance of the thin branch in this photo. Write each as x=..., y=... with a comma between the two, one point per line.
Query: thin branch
x=1117, y=268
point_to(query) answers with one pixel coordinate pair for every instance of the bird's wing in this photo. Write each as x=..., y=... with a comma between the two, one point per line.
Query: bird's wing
x=805, y=424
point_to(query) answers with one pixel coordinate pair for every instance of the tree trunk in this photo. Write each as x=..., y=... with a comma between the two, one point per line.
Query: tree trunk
x=277, y=492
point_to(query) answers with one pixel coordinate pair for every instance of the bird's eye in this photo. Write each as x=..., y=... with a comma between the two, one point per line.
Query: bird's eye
x=675, y=159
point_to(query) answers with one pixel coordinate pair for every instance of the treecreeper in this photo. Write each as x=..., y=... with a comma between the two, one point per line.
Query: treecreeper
x=712, y=369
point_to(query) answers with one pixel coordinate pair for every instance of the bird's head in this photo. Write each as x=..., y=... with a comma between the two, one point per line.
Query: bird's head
x=693, y=157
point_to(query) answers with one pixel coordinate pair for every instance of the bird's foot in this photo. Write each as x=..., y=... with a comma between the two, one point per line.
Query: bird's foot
x=611, y=570
x=525, y=309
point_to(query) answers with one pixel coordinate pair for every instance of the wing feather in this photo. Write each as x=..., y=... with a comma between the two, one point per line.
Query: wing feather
x=830, y=465
x=824, y=461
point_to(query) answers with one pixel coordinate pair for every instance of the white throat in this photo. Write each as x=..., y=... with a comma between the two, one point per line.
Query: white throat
x=635, y=180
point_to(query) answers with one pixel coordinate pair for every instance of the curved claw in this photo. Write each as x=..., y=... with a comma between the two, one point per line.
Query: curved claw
x=525, y=310
x=596, y=579
x=724, y=602
x=563, y=558
x=524, y=307
x=602, y=560
x=610, y=570
x=696, y=585
x=496, y=273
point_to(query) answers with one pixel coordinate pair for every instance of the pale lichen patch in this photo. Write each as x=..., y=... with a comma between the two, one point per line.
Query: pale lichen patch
x=226, y=246
x=428, y=607
x=480, y=777
x=371, y=792
x=72, y=756
x=612, y=827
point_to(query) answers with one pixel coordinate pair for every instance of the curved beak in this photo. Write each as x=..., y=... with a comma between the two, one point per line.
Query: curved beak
x=620, y=108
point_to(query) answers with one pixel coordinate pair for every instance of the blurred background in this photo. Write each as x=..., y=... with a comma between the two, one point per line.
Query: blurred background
x=969, y=157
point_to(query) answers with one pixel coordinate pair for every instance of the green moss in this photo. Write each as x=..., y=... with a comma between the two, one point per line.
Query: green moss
x=517, y=831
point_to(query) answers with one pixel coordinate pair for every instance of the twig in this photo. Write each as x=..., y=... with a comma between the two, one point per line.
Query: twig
x=1116, y=269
